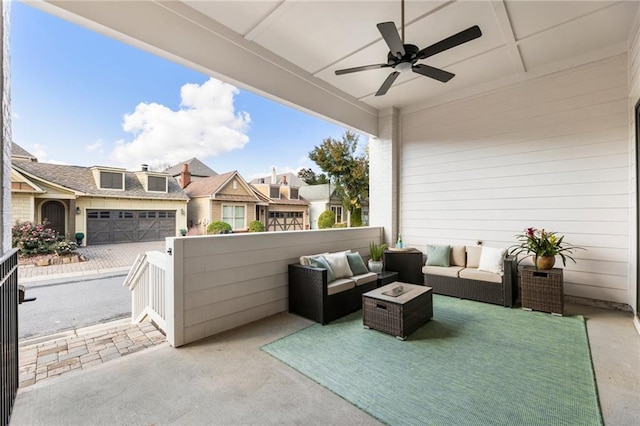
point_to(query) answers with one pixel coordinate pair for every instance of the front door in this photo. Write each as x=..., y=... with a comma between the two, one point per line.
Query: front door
x=53, y=212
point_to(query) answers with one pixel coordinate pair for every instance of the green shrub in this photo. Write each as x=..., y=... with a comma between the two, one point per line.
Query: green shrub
x=356, y=218
x=33, y=239
x=256, y=226
x=327, y=219
x=65, y=247
x=340, y=225
x=218, y=227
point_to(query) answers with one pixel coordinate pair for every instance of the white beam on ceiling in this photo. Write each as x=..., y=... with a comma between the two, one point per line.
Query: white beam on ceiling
x=507, y=32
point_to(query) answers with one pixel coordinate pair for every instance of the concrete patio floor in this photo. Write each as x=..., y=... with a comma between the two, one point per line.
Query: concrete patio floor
x=226, y=380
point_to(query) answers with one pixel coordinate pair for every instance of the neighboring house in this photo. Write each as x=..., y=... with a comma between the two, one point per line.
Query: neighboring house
x=291, y=178
x=286, y=210
x=226, y=197
x=323, y=197
x=197, y=168
x=107, y=204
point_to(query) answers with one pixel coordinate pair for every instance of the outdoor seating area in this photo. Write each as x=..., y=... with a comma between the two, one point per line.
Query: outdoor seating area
x=478, y=273
x=324, y=287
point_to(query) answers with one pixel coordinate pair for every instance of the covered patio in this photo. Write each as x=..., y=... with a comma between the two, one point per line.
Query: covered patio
x=227, y=379
x=538, y=128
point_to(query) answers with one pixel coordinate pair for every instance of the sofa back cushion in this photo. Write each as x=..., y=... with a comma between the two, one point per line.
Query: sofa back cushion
x=473, y=256
x=458, y=256
x=321, y=262
x=438, y=255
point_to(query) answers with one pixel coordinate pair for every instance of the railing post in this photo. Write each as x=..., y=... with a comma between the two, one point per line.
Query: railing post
x=8, y=334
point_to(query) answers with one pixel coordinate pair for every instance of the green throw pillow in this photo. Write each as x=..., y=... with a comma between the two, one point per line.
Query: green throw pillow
x=321, y=262
x=356, y=264
x=438, y=255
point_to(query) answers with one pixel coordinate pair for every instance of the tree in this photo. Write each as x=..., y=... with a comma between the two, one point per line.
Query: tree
x=311, y=178
x=349, y=172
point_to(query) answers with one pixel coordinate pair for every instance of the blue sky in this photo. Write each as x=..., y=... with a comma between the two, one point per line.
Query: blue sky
x=81, y=98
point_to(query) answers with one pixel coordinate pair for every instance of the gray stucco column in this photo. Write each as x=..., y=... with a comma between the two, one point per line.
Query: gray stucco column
x=5, y=129
x=383, y=175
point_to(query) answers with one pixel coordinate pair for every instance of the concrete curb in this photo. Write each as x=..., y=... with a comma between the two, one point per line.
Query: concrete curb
x=74, y=276
x=77, y=332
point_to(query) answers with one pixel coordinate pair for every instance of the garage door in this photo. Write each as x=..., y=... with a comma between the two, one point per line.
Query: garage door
x=129, y=226
x=285, y=221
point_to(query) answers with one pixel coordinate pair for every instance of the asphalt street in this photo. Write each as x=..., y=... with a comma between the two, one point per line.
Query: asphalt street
x=71, y=303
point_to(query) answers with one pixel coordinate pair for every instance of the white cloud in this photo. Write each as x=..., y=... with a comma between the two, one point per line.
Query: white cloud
x=205, y=125
x=40, y=152
x=96, y=147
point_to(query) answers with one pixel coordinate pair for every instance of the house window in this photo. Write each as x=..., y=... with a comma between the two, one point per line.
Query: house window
x=337, y=210
x=235, y=184
x=274, y=192
x=234, y=216
x=157, y=183
x=293, y=195
x=110, y=180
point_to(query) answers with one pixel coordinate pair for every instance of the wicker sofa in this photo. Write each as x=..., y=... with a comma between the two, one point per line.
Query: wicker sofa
x=312, y=295
x=465, y=280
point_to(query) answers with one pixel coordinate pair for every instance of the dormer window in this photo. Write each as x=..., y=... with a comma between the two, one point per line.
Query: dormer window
x=111, y=180
x=274, y=192
x=157, y=183
x=293, y=194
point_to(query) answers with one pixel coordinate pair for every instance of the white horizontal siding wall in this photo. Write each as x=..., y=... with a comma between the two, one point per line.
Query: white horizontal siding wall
x=550, y=153
x=224, y=281
x=634, y=98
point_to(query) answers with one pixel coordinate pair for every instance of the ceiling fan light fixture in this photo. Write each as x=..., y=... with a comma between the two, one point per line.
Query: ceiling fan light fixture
x=403, y=66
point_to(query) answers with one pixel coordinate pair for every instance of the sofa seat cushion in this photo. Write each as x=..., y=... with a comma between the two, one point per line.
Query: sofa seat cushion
x=365, y=278
x=340, y=285
x=475, y=274
x=450, y=271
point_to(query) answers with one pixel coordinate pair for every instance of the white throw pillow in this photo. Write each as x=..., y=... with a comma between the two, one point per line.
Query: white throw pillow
x=340, y=264
x=492, y=260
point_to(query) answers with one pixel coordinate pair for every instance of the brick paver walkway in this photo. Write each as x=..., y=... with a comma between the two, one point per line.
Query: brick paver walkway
x=52, y=356
x=100, y=258
x=84, y=348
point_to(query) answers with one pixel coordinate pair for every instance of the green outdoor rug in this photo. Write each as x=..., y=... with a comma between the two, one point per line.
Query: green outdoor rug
x=473, y=364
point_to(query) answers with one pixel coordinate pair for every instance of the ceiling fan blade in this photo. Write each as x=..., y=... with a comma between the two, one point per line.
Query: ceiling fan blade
x=387, y=83
x=435, y=73
x=392, y=38
x=449, y=42
x=363, y=68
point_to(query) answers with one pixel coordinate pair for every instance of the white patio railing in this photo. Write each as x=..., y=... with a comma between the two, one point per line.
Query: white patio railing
x=147, y=281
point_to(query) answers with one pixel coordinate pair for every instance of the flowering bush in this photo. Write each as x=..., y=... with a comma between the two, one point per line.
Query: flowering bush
x=34, y=239
x=538, y=242
x=65, y=247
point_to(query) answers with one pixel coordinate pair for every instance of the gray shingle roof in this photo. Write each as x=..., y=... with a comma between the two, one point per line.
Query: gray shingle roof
x=196, y=167
x=80, y=179
x=316, y=192
x=292, y=179
x=18, y=151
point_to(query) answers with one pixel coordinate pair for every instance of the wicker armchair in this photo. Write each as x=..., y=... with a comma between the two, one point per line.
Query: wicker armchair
x=309, y=298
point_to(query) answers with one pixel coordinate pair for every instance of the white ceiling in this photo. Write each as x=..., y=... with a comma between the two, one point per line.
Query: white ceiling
x=289, y=50
x=520, y=39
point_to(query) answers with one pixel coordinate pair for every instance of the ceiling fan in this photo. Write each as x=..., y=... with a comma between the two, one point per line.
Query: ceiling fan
x=404, y=57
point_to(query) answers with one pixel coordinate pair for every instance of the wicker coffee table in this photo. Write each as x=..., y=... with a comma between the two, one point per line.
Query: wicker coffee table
x=398, y=308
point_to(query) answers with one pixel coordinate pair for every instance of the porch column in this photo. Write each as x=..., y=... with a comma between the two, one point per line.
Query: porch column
x=383, y=175
x=71, y=228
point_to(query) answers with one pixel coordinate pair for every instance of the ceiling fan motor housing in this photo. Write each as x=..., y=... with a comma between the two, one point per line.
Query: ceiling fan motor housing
x=410, y=52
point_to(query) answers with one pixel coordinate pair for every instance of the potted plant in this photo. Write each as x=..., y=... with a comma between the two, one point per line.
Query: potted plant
x=376, y=251
x=543, y=247
x=183, y=232
x=79, y=238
